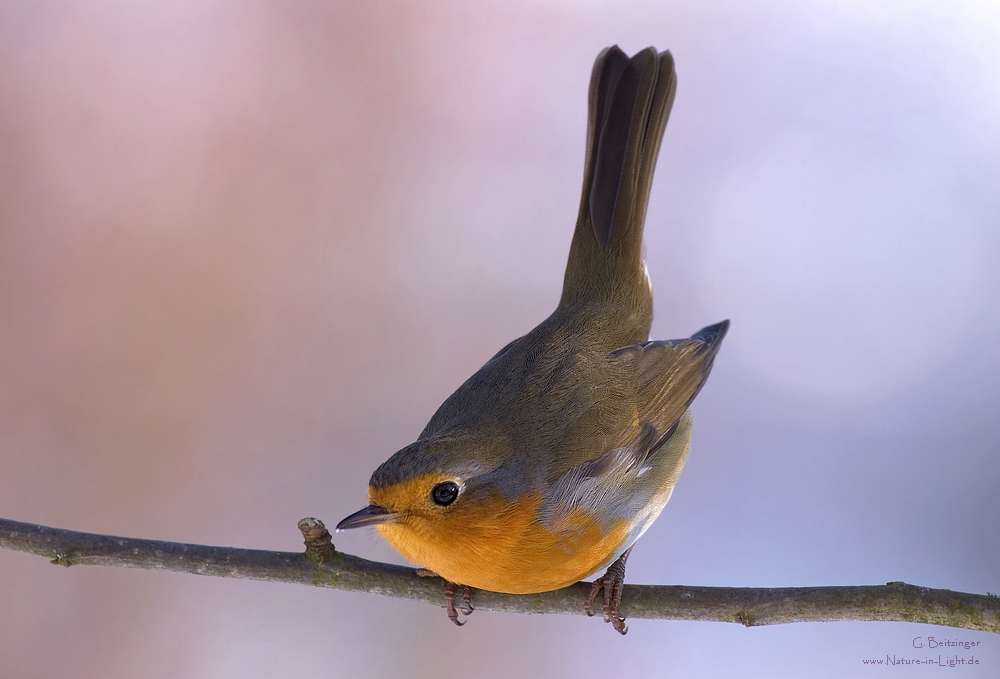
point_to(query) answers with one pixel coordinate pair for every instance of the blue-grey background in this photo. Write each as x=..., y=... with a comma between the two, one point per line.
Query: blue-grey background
x=246, y=249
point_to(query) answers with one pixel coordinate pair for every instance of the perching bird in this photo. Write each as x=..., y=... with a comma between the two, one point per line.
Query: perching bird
x=549, y=463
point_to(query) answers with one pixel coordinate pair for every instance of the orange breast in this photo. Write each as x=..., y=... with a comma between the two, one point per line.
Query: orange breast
x=501, y=546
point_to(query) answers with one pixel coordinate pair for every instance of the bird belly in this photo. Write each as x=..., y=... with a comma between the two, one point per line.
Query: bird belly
x=639, y=523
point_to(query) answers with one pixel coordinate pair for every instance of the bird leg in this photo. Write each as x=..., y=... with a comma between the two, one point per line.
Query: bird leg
x=466, y=609
x=612, y=582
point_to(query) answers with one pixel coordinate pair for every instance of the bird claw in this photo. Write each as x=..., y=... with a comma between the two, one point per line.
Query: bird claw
x=613, y=584
x=466, y=609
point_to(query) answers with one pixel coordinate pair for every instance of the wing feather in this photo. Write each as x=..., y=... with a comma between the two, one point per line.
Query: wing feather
x=667, y=377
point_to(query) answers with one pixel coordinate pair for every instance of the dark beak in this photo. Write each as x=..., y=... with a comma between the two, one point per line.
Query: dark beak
x=372, y=515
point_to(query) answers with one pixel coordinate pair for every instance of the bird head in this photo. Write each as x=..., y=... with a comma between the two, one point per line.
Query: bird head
x=431, y=496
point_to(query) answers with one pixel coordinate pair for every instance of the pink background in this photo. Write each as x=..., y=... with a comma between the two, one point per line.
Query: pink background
x=247, y=248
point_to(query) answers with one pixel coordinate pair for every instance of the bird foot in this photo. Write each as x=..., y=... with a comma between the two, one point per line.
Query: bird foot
x=466, y=609
x=612, y=582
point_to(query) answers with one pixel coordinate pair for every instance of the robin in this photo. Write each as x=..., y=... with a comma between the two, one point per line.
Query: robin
x=552, y=460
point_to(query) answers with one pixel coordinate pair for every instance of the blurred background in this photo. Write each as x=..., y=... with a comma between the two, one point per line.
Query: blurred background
x=247, y=248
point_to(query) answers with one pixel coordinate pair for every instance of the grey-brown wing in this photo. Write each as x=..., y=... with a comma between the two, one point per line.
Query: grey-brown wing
x=671, y=373
x=668, y=376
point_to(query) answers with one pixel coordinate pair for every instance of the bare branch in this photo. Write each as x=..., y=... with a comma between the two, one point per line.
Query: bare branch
x=322, y=566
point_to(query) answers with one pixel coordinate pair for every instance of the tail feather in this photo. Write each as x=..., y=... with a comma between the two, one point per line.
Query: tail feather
x=630, y=101
x=617, y=94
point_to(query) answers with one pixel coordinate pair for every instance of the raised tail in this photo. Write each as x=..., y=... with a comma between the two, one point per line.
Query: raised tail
x=630, y=101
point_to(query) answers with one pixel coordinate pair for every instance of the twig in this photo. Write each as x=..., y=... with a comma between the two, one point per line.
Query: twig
x=322, y=566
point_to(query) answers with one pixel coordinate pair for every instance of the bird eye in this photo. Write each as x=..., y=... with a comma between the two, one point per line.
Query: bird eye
x=444, y=493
